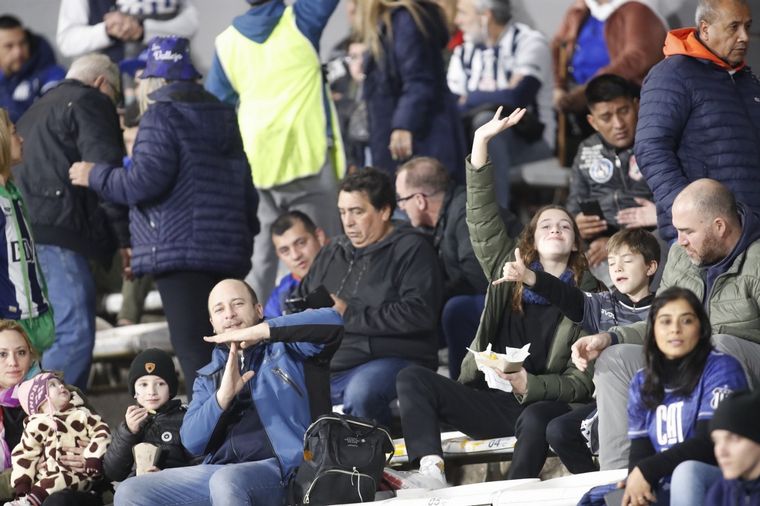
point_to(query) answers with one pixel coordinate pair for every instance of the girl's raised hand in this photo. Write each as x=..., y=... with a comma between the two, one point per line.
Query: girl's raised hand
x=486, y=132
x=498, y=124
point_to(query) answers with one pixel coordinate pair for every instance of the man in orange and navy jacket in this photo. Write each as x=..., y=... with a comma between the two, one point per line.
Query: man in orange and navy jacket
x=700, y=111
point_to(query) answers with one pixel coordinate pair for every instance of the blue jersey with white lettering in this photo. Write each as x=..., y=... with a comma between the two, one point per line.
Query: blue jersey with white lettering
x=675, y=419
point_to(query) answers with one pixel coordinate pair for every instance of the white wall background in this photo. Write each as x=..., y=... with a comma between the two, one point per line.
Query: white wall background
x=41, y=16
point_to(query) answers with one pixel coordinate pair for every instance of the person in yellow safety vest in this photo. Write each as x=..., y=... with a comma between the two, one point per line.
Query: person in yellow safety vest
x=267, y=63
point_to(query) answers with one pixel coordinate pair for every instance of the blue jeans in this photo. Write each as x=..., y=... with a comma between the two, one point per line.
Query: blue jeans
x=367, y=389
x=71, y=291
x=250, y=483
x=459, y=323
x=690, y=482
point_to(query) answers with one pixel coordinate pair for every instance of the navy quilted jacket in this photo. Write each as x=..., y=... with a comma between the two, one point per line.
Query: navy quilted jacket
x=407, y=90
x=189, y=189
x=696, y=120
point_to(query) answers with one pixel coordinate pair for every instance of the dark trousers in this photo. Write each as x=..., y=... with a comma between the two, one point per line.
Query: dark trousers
x=565, y=438
x=532, y=446
x=427, y=399
x=70, y=497
x=184, y=295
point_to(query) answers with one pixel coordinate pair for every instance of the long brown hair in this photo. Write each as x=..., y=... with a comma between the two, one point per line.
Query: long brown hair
x=6, y=134
x=371, y=15
x=527, y=244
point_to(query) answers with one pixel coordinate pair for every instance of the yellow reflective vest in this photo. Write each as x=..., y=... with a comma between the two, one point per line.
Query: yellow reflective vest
x=282, y=103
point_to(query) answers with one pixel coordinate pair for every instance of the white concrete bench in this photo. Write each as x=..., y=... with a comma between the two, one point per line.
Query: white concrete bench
x=544, y=173
x=460, y=449
x=153, y=303
x=565, y=491
x=115, y=348
x=130, y=340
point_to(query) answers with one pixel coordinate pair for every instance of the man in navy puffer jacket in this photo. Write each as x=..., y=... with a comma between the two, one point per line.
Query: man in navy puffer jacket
x=192, y=204
x=700, y=111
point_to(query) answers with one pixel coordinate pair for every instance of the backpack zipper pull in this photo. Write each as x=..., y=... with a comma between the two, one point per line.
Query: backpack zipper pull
x=358, y=484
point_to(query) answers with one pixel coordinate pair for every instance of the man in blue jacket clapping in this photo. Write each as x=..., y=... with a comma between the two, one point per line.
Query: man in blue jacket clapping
x=251, y=405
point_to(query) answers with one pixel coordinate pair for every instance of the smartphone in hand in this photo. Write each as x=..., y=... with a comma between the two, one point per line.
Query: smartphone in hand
x=591, y=208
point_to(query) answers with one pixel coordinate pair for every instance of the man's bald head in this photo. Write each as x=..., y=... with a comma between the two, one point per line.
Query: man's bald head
x=710, y=199
x=232, y=304
x=707, y=219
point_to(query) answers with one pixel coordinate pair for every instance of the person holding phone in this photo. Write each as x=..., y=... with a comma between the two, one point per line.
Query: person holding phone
x=386, y=283
x=297, y=240
x=155, y=419
x=607, y=190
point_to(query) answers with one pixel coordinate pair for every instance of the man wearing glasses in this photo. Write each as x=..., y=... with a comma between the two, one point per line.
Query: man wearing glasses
x=433, y=202
x=386, y=283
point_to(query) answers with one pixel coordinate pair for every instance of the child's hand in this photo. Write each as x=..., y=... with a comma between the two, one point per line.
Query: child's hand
x=135, y=417
x=488, y=131
x=516, y=271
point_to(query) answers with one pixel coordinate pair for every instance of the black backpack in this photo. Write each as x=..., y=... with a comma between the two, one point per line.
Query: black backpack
x=344, y=457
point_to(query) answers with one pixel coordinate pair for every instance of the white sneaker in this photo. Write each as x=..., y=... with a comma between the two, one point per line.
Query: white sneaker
x=407, y=480
x=431, y=472
x=429, y=477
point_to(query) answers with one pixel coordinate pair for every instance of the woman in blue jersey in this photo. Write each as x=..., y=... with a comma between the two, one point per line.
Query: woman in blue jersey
x=672, y=399
x=23, y=294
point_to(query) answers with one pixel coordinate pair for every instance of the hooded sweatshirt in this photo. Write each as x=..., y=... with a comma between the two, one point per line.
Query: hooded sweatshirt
x=393, y=292
x=750, y=233
x=684, y=41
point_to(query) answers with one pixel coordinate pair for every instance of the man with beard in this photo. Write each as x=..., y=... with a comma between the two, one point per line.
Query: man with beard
x=266, y=382
x=504, y=62
x=717, y=256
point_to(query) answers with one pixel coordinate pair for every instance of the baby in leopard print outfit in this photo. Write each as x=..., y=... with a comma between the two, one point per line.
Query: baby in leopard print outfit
x=57, y=418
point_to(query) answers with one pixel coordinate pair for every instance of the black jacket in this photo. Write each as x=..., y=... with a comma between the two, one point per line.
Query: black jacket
x=393, y=291
x=161, y=429
x=462, y=272
x=70, y=123
x=601, y=172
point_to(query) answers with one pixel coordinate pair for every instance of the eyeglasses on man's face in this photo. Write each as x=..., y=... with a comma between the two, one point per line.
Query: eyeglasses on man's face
x=399, y=199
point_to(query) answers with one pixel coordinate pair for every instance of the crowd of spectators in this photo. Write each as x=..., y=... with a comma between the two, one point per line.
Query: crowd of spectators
x=637, y=295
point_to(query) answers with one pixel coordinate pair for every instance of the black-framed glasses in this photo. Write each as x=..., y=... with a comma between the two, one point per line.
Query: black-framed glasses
x=404, y=199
